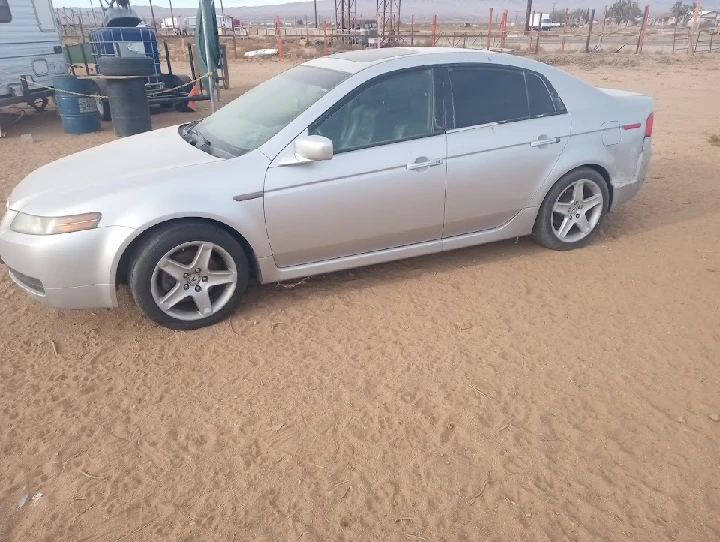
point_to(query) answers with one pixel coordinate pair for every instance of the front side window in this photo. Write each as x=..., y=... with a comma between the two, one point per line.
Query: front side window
x=487, y=95
x=5, y=15
x=252, y=119
x=395, y=108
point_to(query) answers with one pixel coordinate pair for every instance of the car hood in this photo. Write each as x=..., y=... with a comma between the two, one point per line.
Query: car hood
x=109, y=166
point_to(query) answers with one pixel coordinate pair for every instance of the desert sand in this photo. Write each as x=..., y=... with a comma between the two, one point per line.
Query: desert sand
x=504, y=392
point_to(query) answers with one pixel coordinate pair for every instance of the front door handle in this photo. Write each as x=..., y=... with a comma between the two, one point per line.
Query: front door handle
x=544, y=141
x=422, y=163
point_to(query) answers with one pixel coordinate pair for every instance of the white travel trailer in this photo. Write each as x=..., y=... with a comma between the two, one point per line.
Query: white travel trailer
x=30, y=50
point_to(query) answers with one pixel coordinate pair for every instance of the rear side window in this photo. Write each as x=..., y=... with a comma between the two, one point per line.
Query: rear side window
x=485, y=95
x=5, y=15
x=542, y=96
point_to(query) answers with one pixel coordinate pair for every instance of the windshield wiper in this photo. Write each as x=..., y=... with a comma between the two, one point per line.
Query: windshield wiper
x=194, y=137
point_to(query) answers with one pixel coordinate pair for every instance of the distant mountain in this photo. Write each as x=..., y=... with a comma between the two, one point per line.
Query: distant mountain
x=423, y=10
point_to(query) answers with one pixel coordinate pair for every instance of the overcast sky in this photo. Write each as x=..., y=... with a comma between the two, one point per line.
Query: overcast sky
x=177, y=3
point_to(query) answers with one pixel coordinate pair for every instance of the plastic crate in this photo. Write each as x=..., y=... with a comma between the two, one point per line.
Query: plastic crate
x=103, y=40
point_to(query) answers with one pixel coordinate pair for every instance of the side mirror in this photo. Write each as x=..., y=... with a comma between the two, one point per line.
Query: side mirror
x=313, y=148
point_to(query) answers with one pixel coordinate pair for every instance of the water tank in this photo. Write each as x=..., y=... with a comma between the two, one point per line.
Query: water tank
x=78, y=110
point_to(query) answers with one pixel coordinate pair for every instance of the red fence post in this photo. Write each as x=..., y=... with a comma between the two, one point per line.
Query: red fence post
x=643, y=27
x=434, y=31
x=489, y=28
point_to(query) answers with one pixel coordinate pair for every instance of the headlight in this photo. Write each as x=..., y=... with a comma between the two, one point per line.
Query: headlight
x=50, y=225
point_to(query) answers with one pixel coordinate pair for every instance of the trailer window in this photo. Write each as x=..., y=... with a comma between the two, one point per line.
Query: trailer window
x=44, y=15
x=5, y=15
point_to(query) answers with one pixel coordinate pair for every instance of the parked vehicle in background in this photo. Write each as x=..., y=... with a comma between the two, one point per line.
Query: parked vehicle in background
x=353, y=159
x=30, y=50
x=543, y=21
x=364, y=30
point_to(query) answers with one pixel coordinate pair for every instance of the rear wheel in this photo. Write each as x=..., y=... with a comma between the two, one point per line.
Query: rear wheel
x=573, y=210
x=189, y=275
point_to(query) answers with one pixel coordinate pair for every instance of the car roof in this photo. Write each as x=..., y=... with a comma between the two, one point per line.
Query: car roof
x=355, y=61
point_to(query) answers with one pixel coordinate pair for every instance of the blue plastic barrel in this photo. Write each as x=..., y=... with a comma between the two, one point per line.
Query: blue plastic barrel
x=79, y=114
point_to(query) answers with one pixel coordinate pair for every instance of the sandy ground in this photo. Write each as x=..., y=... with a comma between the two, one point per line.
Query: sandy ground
x=495, y=393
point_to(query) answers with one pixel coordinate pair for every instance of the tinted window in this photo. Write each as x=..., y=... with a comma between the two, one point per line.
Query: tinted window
x=395, y=108
x=484, y=95
x=5, y=15
x=543, y=98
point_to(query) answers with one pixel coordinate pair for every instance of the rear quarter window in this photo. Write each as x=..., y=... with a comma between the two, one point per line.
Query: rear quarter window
x=5, y=15
x=487, y=94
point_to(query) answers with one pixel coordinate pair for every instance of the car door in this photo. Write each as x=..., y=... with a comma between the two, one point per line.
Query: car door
x=508, y=130
x=384, y=186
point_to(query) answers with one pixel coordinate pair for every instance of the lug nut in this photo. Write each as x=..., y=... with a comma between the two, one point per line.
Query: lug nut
x=198, y=270
x=185, y=275
x=186, y=287
x=204, y=279
x=197, y=288
x=577, y=215
x=581, y=207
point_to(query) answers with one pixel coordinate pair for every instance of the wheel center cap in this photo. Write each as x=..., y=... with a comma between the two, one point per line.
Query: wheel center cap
x=193, y=279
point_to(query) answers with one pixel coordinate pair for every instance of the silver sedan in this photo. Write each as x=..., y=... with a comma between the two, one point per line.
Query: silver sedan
x=347, y=160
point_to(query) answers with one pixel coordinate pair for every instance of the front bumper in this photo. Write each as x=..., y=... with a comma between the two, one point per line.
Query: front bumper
x=69, y=270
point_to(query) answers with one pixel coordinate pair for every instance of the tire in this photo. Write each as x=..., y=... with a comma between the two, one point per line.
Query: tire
x=559, y=224
x=40, y=104
x=126, y=66
x=104, y=109
x=103, y=105
x=178, y=284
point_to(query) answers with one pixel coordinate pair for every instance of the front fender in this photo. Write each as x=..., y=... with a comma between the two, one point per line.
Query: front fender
x=245, y=217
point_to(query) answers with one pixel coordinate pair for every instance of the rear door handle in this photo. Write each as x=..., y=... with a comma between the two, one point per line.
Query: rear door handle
x=545, y=141
x=422, y=163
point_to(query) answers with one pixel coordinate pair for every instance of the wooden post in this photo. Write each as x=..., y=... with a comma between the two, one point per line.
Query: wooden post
x=279, y=36
x=234, y=45
x=489, y=29
x=412, y=30
x=325, y=43
x=643, y=26
x=537, y=40
x=532, y=27
x=674, y=34
x=434, y=31
x=587, y=42
x=567, y=13
x=152, y=14
x=172, y=16
x=694, y=25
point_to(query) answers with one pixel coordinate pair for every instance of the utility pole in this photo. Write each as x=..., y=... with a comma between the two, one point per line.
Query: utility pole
x=316, y=19
x=528, y=11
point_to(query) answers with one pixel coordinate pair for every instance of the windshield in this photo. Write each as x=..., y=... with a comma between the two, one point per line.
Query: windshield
x=252, y=119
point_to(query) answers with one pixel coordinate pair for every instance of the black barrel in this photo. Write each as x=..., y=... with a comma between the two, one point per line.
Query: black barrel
x=126, y=93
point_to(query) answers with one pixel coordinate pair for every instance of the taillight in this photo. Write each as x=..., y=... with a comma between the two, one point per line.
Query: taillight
x=649, y=125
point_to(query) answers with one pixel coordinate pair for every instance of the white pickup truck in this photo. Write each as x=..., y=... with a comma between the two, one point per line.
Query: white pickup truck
x=543, y=21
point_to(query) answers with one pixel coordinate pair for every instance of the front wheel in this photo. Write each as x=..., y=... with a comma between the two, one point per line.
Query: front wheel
x=189, y=275
x=573, y=210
